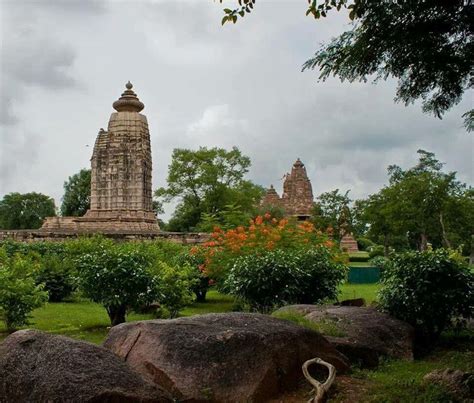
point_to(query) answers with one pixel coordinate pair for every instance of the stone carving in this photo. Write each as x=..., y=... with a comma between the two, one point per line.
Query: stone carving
x=121, y=193
x=297, y=198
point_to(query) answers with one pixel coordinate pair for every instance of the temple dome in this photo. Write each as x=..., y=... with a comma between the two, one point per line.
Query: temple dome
x=129, y=101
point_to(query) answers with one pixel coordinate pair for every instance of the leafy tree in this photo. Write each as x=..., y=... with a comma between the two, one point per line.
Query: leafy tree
x=25, y=211
x=426, y=45
x=422, y=204
x=77, y=191
x=331, y=210
x=428, y=289
x=118, y=278
x=19, y=294
x=205, y=181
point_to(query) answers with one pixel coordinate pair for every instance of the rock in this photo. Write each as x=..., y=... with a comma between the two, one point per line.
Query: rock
x=221, y=357
x=41, y=367
x=362, y=334
x=458, y=383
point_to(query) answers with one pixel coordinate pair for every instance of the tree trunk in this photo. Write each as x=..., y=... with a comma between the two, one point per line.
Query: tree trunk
x=423, y=242
x=201, y=295
x=117, y=314
x=386, y=249
x=443, y=231
x=471, y=258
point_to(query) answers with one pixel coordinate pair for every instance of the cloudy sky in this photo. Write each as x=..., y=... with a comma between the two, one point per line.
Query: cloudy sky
x=64, y=62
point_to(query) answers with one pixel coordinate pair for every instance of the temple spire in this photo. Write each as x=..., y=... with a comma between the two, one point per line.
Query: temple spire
x=129, y=101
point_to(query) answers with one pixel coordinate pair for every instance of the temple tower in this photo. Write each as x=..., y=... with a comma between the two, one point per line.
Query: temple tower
x=297, y=197
x=121, y=193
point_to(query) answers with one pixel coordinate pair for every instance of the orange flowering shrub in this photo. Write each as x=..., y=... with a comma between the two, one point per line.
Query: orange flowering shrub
x=264, y=233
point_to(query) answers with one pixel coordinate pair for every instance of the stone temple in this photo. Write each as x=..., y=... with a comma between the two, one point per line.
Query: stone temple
x=297, y=198
x=121, y=192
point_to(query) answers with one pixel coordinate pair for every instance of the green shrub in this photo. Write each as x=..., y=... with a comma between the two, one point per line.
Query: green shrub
x=201, y=284
x=174, y=286
x=381, y=262
x=280, y=277
x=56, y=274
x=19, y=294
x=428, y=290
x=117, y=278
x=364, y=243
x=376, y=250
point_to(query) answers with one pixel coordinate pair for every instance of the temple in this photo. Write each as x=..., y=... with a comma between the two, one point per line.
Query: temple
x=121, y=192
x=297, y=198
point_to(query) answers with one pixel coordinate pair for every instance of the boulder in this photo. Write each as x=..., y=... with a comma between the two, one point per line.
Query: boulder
x=41, y=367
x=457, y=383
x=221, y=357
x=363, y=334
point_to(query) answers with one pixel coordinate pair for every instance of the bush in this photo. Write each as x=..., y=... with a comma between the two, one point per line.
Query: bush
x=281, y=277
x=117, y=278
x=19, y=294
x=376, y=250
x=57, y=276
x=263, y=234
x=364, y=243
x=381, y=262
x=428, y=290
x=174, y=285
x=200, y=285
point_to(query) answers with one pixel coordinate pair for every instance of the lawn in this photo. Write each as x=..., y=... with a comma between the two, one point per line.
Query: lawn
x=86, y=320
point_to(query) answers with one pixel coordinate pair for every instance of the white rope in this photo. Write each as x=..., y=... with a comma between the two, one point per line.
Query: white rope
x=321, y=388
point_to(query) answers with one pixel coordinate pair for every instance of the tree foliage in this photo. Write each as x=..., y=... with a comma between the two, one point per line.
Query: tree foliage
x=205, y=181
x=426, y=45
x=77, y=190
x=19, y=294
x=421, y=205
x=332, y=210
x=25, y=211
x=428, y=290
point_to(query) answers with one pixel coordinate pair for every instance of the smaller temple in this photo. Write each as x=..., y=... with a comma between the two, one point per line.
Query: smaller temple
x=297, y=198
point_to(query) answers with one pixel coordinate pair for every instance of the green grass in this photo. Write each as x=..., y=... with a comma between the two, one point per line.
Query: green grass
x=325, y=327
x=360, y=264
x=88, y=321
x=366, y=291
x=402, y=381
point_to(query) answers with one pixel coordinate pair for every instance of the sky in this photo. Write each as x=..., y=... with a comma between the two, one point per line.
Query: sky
x=64, y=62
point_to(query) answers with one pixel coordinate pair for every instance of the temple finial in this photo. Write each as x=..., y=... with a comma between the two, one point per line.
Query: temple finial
x=129, y=101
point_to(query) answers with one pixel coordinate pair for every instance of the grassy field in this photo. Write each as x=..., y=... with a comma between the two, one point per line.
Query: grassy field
x=86, y=320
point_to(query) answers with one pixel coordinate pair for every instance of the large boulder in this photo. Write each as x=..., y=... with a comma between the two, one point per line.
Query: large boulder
x=459, y=384
x=363, y=334
x=41, y=367
x=221, y=357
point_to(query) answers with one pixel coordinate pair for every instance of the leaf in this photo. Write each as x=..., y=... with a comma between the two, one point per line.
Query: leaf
x=352, y=14
x=224, y=20
x=227, y=11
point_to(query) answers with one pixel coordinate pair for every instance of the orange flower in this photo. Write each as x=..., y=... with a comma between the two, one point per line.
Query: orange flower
x=259, y=220
x=267, y=216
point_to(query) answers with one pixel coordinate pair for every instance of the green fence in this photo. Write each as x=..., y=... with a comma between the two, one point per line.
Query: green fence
x=364, y=275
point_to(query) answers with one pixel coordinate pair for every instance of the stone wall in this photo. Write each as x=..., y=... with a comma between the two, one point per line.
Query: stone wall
x=189, y=238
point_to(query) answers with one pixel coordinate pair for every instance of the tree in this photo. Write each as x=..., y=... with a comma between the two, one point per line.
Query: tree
x=77, y=191
x=332, y=210
x=19, y=294
x=423, y=204
x=25, y=211
x=118, y=278
x=426, y=45
x=205, y=181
